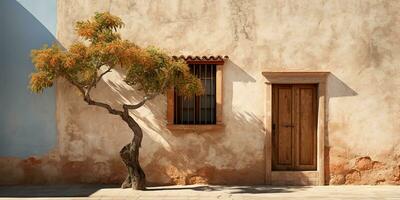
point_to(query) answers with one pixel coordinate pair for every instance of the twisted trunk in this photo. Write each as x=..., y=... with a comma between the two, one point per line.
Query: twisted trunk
x=130, y=152
x=136, y=178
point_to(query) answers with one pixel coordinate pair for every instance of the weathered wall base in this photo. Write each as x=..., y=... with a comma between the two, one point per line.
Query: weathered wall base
x=364, y=171
x=57, y=170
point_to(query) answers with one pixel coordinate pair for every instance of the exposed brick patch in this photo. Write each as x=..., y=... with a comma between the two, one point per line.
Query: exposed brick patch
x=396, y=175
x=197, y=180
x=353, y=176
x=364, y=170
x=338, y=179
x=363, y=163
x=377, y=165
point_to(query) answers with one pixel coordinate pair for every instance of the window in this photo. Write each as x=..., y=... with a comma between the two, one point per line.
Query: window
x=199, y=111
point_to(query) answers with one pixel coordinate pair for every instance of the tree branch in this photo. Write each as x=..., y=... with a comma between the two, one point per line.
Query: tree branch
x=138, y=105
x=103, y=105
x=96, y=80
x=102, y=74
x=86, y=97
x=76, y=84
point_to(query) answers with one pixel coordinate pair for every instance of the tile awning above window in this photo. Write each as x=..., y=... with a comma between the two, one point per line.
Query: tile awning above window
x=218, y=60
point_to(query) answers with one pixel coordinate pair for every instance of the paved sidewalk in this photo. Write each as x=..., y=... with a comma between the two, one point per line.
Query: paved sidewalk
x=199, y=192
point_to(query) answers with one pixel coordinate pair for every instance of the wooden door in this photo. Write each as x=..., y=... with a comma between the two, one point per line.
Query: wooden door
x=294, y=127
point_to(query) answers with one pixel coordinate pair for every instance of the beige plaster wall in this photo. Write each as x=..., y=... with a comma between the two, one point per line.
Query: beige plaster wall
x=357, y=41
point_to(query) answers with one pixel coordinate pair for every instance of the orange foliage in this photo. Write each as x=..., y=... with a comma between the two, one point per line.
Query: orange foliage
x=150, y=69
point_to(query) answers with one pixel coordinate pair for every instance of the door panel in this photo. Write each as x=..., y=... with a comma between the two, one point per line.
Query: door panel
x=284, y=119
x=294, y=127
x=306, y=127
x=283, y=150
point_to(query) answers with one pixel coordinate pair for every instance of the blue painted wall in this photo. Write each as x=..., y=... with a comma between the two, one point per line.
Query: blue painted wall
x=27, y=121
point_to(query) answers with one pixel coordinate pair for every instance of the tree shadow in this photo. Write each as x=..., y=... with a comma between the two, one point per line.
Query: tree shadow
x=151, y=116
x=242, y=126
x=232, y=189
x=178, y=149
x=51, y=190
x=89, y=190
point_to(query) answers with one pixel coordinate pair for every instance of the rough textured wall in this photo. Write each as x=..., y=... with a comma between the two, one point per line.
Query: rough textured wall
x=358, y=41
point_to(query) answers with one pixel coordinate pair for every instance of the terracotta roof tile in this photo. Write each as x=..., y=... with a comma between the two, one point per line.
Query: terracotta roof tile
x=218, y=59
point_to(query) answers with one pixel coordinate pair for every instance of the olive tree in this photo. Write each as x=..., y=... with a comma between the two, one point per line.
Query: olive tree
x=101, y=49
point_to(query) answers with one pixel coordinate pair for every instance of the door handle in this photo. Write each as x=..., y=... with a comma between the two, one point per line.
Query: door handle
x=288, y=126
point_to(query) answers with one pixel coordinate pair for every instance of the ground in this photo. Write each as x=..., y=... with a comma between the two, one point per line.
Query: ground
x=194, y=192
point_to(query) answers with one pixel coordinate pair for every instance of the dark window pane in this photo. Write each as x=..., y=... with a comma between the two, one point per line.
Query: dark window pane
x=198, y=109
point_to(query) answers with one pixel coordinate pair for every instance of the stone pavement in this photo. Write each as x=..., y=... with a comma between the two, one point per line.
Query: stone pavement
x=194, y=192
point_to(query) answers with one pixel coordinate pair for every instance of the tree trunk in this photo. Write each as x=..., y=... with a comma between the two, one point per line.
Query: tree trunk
x=130, y=155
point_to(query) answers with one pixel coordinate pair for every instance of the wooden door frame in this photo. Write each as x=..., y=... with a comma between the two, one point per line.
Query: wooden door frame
x=319, y=78
x=295, y=115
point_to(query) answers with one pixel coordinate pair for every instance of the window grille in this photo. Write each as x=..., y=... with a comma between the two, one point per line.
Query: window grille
x=198, y=109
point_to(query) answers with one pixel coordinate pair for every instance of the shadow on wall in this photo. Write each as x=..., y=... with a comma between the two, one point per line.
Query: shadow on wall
x=336, y=88
x=189, y=158
x=123, y=93
x=27, y=121
x=236, y=80
x=244, y=125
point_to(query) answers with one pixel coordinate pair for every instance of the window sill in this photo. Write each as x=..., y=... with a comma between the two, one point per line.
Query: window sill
x=195, y=127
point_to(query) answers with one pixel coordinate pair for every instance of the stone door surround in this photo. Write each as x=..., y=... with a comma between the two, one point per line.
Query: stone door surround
x=303, y=177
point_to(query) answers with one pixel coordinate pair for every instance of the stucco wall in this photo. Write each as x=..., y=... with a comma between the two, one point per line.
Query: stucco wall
x=357, y=41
